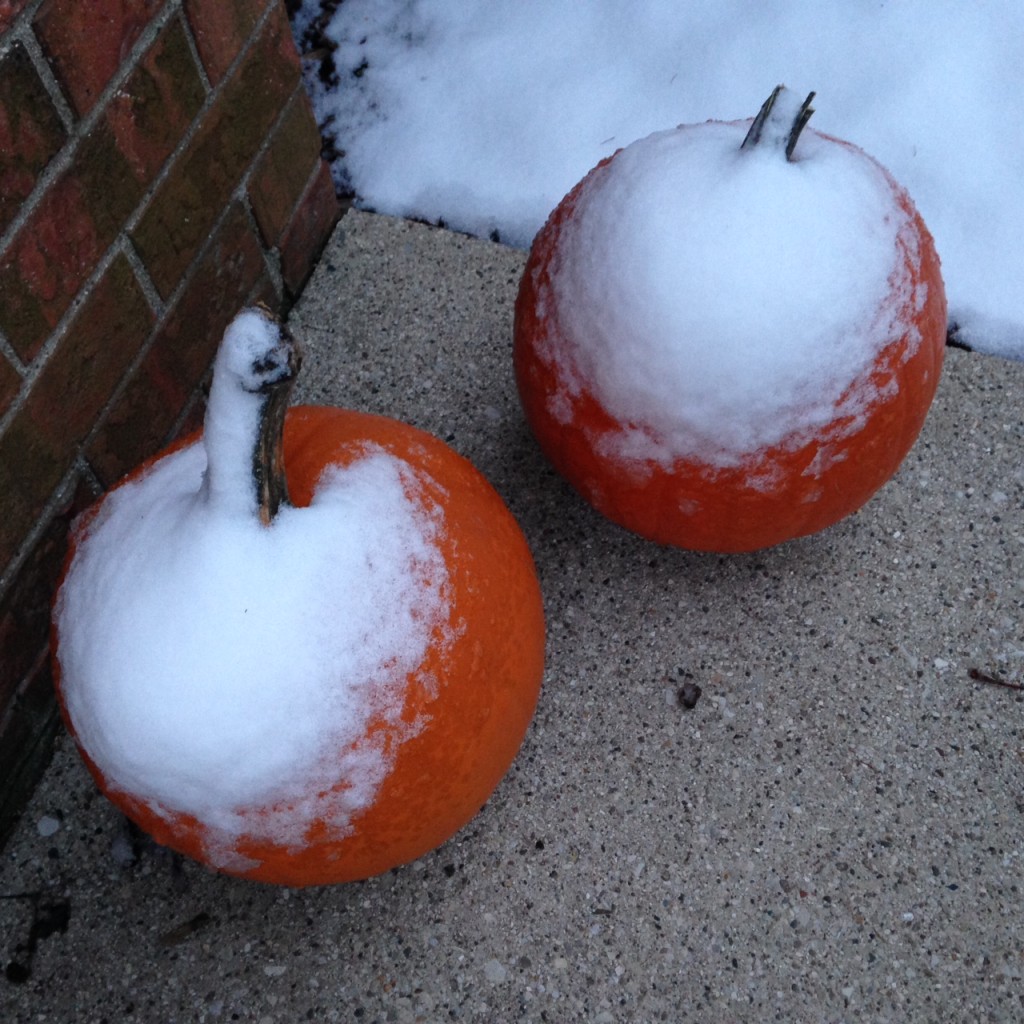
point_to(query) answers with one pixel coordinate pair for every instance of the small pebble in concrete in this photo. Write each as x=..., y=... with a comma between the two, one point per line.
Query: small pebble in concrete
x=495, y=972
x=47, y=825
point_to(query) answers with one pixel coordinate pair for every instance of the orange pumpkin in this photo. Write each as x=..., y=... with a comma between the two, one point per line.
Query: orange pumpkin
x=454, y=720
x=771, y=372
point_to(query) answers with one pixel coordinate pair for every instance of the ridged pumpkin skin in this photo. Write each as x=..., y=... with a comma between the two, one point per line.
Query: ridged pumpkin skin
x=489, y=676
x=691, y=504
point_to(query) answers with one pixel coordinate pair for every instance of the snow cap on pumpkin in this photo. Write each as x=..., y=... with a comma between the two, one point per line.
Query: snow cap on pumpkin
x=211, y=664
x=720, y=300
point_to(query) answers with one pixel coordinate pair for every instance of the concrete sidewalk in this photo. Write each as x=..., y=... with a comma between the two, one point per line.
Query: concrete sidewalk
x=834, y=833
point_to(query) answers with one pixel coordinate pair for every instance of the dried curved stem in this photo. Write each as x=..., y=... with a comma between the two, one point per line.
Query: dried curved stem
x=268, y=469
x=243, y=428
x=778, y=123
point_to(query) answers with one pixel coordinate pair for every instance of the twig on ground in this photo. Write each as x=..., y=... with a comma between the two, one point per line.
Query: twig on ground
x=984, y=677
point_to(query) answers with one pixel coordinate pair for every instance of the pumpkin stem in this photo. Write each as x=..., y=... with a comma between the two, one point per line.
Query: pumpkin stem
x=780, y=121
x=268, y=469
x=244, y=429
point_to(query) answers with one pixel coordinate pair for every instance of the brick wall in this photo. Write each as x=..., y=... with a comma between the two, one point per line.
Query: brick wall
x=159, y=167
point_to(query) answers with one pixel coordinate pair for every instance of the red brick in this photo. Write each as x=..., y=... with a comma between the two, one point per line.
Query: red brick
x=43, y=439
x=25, y=609
x=9, y=10
x=220, y=286
x=29, y=474
x=284, y=169
x=135, y=428
x=182, y=350
x=192, y=197
x=10, y=381
x=45, y=265
x=86, y=43
x=15, y=516
x=90, y=361
x=26, y=746
x=71, y=228
x=31, y=132
x=309, y=231
x=152, y=112
x=265, y=291
x=269, y=293
x=220, y=28
x=193, y=418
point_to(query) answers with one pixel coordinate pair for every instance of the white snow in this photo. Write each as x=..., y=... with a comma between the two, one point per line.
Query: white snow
x=718, y=301
x=485, y=115
x=211, y=664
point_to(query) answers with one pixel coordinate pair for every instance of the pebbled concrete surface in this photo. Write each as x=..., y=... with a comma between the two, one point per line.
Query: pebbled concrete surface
x=835, y=832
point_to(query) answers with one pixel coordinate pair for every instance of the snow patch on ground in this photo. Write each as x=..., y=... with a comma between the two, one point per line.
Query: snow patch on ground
x=485, y=115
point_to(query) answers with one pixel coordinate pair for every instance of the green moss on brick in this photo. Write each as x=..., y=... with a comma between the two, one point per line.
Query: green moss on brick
x=135, y=429
x=215, y=293
x=45, y=265
x=111, y=188
x=78, y=380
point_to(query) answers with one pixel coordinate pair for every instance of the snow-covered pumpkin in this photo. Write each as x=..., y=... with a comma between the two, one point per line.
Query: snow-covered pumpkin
x=729, y=334
x=299, y=647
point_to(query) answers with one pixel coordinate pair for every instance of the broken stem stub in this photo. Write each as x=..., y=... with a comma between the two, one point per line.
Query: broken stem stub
x=780, y=121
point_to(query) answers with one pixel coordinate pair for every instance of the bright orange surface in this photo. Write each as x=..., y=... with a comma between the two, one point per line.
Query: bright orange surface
x=701, y=507
x=489, y=676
